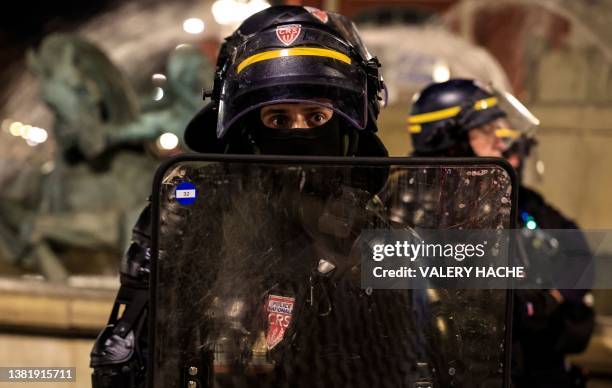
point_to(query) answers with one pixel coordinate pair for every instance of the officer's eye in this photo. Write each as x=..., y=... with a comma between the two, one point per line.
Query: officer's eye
x=318, y=118
x=277, y=121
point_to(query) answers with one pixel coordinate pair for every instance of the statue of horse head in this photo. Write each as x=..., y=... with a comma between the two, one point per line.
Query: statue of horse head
x=87, y=92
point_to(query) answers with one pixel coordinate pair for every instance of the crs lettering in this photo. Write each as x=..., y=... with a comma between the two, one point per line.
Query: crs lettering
x=281, y=320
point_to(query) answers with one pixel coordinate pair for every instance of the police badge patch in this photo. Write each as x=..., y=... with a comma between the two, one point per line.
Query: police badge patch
x=321, y=15
x=288, y=34
x=280, y=310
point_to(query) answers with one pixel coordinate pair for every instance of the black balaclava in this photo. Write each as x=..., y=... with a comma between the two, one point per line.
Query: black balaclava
x=328, y=139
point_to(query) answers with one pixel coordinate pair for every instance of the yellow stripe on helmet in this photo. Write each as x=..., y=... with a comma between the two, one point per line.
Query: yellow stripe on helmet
x=485, y=103
x=293, y=52
x=507, y=133
x=415, y=128
x=452, y=111
x=435, y=115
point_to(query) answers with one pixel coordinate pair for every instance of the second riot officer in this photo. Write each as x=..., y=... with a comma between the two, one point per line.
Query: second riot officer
x=467, y=118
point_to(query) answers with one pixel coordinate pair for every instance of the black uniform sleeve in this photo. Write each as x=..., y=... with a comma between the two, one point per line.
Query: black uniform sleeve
x=548, y=328
x=562, y=328
x=119, y=355
x=577, y=324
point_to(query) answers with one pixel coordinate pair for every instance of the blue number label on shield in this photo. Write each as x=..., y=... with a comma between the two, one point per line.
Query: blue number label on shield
x=186, y=193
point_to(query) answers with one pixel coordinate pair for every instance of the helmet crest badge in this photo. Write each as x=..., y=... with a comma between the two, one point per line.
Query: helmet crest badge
x=288, y=34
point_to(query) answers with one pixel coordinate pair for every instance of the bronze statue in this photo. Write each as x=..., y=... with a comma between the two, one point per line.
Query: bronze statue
x=98, y=184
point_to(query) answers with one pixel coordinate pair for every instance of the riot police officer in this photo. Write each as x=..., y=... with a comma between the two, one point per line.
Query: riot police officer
x=290, y=80
x=465, y=118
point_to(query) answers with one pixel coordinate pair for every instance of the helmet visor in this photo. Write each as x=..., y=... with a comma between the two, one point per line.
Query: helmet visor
x=520, y=118
x=518, y=122
x=347, y=103
x=512, y=122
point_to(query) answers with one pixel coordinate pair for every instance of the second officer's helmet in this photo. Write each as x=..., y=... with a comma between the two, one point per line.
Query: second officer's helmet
x=292, y=54
x=443, y=113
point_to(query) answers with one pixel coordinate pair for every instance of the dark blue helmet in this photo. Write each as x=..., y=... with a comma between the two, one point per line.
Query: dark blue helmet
x=292, y=54
x=443, y=113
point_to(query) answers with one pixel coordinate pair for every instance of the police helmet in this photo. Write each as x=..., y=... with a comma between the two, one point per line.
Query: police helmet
x=443, y=113
x=291, y=54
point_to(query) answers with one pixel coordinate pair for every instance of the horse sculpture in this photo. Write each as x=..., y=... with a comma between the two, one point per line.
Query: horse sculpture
x=99, y=183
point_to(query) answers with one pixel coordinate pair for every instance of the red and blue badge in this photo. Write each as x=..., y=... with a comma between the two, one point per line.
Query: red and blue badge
x=280, y=311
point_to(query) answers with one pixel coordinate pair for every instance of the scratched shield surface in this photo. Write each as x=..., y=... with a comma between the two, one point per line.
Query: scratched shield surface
x=256, y=278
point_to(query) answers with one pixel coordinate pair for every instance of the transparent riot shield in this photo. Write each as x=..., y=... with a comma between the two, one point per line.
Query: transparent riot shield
x=256, y=274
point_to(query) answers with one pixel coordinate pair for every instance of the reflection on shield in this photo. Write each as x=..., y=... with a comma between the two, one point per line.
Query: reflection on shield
x=256, y=282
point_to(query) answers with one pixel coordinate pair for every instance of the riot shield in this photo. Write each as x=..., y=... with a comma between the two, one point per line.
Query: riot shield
x=256, y=274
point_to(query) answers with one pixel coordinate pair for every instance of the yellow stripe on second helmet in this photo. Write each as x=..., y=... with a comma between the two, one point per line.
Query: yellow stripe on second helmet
x=485, y=103
x=416, y=128
x=507, y=133
x=434, y=116
x=452, y=111
x=293, y=52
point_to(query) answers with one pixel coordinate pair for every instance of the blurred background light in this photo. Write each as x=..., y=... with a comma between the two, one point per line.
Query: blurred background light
x=158, y=93
x=441, y=72
x=193, y=25
x=168, y=141
x=15, y=128
x=32, y=135
x=540, y=167
x=25, y=131
x=255, y=6
x=37, y=135
x=232, y=12
x=47, y=167
x=158, y=77
x=222, y=11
